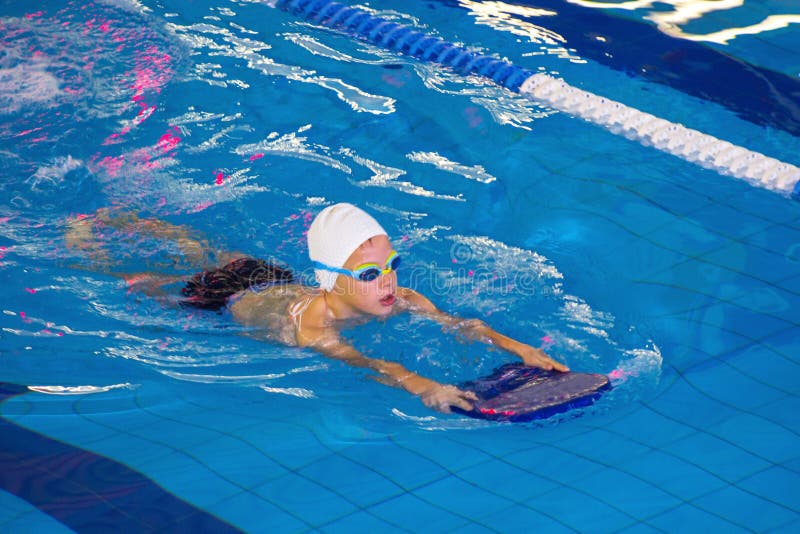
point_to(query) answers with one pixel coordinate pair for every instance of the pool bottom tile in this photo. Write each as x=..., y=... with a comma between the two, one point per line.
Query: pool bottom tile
x=583, y=512
x=760, y=436
x=362, y=485
x=236, y=460
x=792, y=527
x=767, y=366
x=195, y=482
x=646, y=426
x=462, y=498
x=418, y=515
x=744, y=509
x=252, y=513
x=406, y=469
x=507, y=480
x=633, y=496
x=776, y=484
x=678, y=477
x=687, y=517
x=523, y=520
x=304, y=498
x=363, y=521
x=719, y=457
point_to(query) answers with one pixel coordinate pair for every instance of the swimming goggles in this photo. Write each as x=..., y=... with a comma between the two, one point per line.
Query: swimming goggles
x=366, y=272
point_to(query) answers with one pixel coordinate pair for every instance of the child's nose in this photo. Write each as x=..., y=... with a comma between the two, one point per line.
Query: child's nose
x=388, y=279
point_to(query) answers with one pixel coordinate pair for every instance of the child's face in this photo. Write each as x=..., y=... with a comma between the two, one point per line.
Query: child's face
x=378, y=296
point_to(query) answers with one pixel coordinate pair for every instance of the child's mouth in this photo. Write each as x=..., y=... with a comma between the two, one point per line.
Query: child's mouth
x=388, y=300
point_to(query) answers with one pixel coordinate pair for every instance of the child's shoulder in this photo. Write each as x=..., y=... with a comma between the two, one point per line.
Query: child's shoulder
x=255, y=300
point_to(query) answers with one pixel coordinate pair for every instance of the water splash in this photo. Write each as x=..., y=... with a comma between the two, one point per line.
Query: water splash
x=80, y=390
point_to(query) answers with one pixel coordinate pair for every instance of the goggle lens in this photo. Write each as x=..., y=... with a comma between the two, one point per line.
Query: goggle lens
x=371, y=273
x=368, y=275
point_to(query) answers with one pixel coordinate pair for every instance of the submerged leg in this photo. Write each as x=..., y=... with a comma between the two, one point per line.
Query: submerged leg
x=89, y=235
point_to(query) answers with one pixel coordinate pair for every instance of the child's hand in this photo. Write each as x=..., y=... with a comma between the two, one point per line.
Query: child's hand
x=441, y=397
x=537, y=358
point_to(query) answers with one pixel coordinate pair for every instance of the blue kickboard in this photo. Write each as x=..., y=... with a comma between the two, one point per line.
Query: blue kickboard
x=518, y=393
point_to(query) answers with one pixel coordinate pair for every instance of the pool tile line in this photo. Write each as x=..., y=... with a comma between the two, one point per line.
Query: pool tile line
x=725, y=357
x=468, y=481
x=601, y=467
x=728, y=442
x=406, y=490
x=296, y=471
x=686, y=259
x=340, y=453
x=767, y=468
x=523, y=503
x=664, y=449
x=590, y=430
x=685, y=523
x=683, y=501
x=690, y=258
x=686, y=217
x=667, y=285
x=448, y=473
x=790, y=526
x=722, y=357
x=62, y=481
x=698, y=258
x=291, y=471
x=725, y=482
x=458, y=476
x=564, y=172
x=741, y=240
x=193, y=458
x=682, y=375
x=531, y=527
x=708, y=200
x=738, y=412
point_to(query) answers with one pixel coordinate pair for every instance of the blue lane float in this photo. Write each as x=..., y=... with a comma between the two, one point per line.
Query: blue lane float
x=690, y=145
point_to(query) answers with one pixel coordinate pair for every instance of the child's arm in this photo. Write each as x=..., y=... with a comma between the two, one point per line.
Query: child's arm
x=477, y=329
x=433, y=394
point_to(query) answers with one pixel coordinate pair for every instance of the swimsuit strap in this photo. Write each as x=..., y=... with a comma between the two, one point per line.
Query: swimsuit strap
x=297, y=310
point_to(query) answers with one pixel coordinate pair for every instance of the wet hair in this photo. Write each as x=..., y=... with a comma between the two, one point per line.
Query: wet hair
x=210, y=289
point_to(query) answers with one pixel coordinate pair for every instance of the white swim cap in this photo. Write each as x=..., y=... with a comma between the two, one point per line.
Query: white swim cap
x=337, y=231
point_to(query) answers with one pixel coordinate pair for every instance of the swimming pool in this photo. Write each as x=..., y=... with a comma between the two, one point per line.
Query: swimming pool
x=242, y=121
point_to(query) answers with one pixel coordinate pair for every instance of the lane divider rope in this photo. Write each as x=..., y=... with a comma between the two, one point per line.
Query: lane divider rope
x=688, y=144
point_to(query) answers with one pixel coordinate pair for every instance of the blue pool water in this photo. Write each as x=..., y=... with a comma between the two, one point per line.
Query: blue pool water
x=241, y=122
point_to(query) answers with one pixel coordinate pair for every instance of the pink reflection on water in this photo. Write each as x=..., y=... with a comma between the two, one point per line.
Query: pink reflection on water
x=472, y=114
x=168, y=141
x=112, y=164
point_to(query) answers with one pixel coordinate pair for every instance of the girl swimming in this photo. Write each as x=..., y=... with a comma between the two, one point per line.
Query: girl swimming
x=356, y=268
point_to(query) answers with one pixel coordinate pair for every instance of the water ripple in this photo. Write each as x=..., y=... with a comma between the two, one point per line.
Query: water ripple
x=250, y=50
x=293, y=145
x=474, y=172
